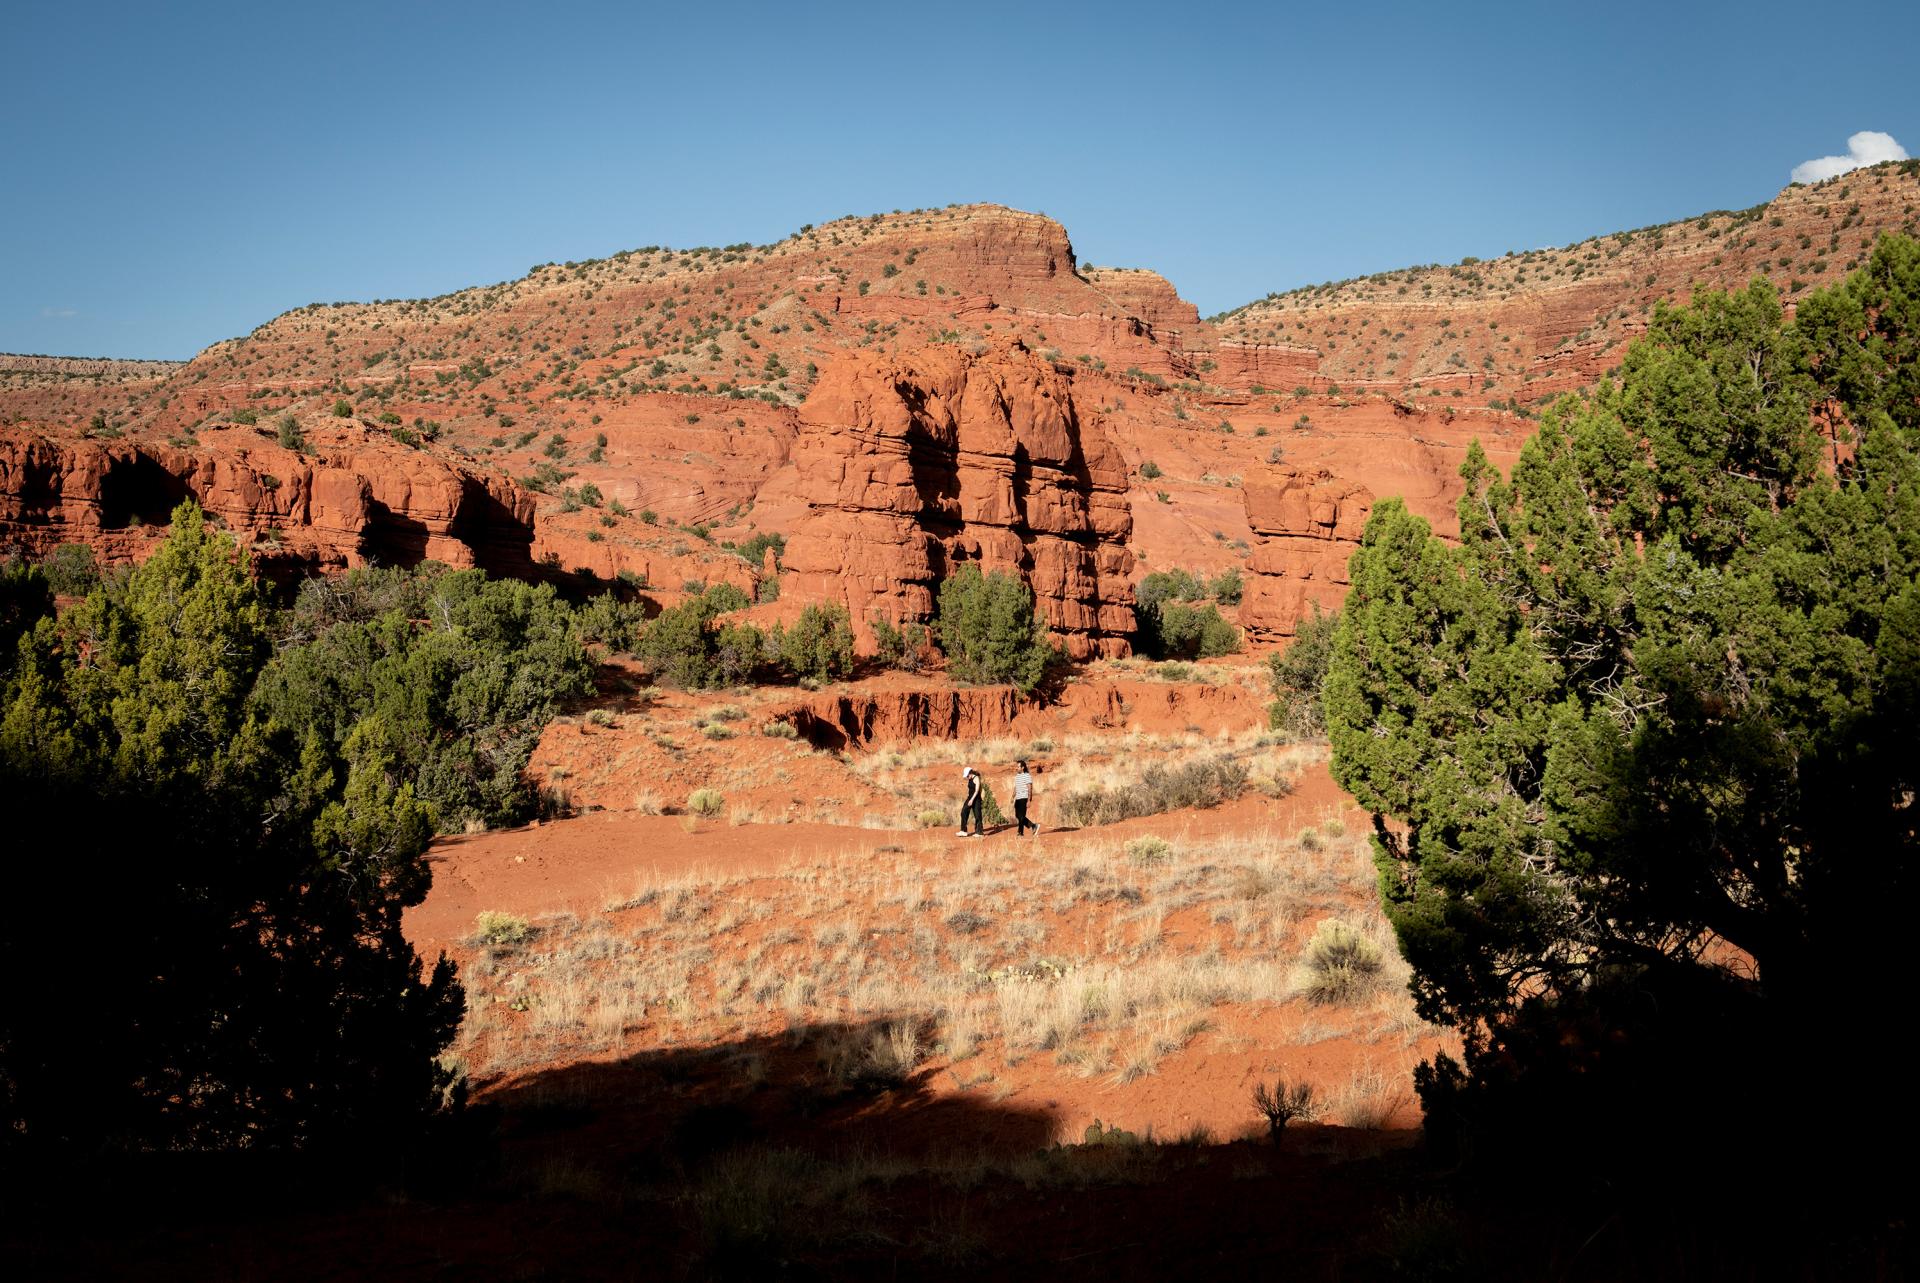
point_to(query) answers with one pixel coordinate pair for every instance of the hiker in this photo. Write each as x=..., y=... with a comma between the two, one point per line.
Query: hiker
x=1022, y=794
x=974, y=803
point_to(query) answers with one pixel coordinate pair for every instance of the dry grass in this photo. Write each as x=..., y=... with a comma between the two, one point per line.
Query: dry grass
x=990, y=958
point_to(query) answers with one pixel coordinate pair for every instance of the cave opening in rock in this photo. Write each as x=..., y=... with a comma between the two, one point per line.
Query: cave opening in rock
x=137, y=490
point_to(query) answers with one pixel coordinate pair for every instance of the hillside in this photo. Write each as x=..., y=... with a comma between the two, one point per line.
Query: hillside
x=1530, y=325
x=878, y=390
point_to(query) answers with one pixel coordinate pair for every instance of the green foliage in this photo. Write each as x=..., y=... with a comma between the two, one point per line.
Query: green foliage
x=904, y=647
x=1298, y=675
x=71, y=570
x=1170, y=630
x=501, y=930
x=343, y=409
x=754, y=548
x=819, y=645
x=289, y=434
x=679, y=645
x=989, y=631
x=1657, y=709
x=456, y=674
x=706, y=803
x=615, y=624
x=1227, y=587
x=1169, y=586
x=245, y=981
x=25, y=599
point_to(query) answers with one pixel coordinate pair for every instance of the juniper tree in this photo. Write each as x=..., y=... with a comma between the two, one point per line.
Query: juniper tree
x=1642, y=748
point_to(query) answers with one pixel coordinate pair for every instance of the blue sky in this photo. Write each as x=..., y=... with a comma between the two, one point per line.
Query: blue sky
x=171, y=175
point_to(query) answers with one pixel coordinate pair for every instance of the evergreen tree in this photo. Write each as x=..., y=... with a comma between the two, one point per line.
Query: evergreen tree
x=989, y=630
x=214, y=942
x=1642, y=748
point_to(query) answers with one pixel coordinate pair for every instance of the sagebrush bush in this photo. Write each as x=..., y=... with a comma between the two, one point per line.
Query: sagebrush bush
x=1341, y=964
x=501, y=930
x=1149, y=850
x=706, y=803
x=1204, y=783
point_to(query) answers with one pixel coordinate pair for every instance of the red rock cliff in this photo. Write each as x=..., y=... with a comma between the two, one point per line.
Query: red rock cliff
x=1307, y=525
x=337, y=509
x=910, y=466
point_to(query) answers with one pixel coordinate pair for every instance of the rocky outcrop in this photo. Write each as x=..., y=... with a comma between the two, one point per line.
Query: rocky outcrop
x=331, y=511
x=863, y=716
x=1307, y=524
x=1144, y=294
x=912, y=466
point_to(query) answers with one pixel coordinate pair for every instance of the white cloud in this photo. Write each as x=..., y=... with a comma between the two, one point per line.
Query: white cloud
x=59, y=313
x=1868, y=147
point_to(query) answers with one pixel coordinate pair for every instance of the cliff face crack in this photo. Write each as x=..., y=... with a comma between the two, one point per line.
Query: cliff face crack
x=912, y=464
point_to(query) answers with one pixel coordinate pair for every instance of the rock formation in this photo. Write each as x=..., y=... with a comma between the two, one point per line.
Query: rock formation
x=1307, y=525
x=910, y=466
x=323, y=512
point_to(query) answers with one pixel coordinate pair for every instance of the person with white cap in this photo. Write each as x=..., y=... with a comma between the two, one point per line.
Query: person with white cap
x=974, y=803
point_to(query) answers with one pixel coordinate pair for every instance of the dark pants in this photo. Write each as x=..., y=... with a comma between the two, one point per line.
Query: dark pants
x=1020, y=818
x=976, y=809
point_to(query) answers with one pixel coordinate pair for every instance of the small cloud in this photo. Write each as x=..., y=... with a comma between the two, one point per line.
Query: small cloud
x=59, y=313
x=1868, y=147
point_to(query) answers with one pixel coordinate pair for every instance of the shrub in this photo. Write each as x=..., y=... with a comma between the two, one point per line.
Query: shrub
x=819, y=645
x=1298, y=676
x=1168, y=586
x=780, y=731
x=931, y=819
x=289, y=435
x=1149, y=850
x=706, y=803
x=725, y=597
x=754, y=548
x=454, y=707
x=1340, y=964
x=1227, y=587
x=343, y=409
x=501, y=930
x=1205, y=783
x=990, y=632
x=1168, y=630
x=1150, y=470
x=1281, y=1104
x=739, y=653
x=904, y=648
x=70, y=570
x=604, y=618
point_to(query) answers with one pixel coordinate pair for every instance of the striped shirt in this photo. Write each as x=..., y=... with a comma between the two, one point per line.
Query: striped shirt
x=1022, y=787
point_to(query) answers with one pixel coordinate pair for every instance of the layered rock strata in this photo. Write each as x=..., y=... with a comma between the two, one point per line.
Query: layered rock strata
x=912, y=466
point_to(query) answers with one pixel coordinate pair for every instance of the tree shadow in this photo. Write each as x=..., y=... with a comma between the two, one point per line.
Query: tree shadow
x=830, y=1087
